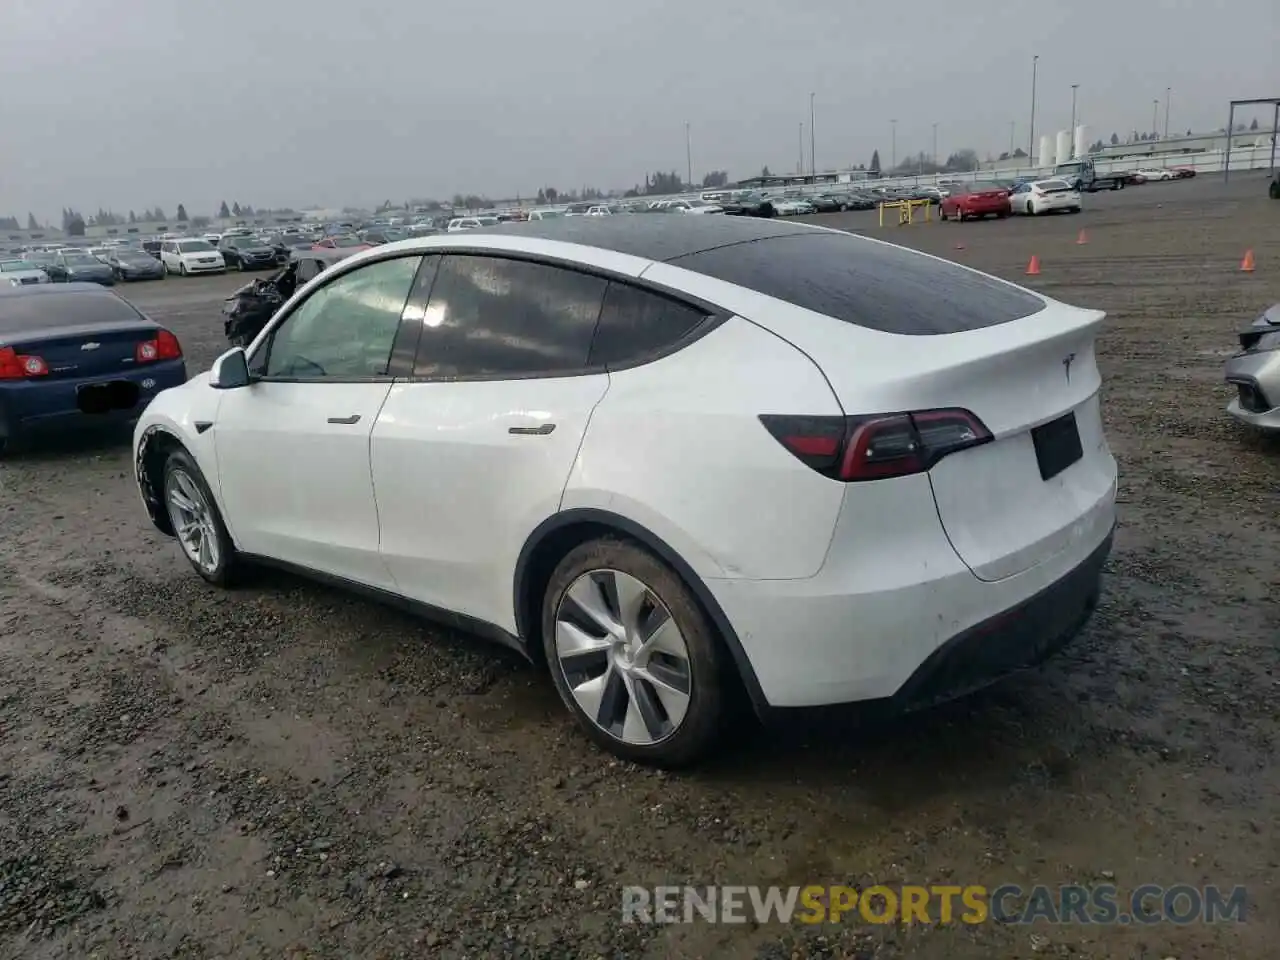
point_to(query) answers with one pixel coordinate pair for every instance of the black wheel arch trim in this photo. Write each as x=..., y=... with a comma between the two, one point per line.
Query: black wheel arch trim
x=663, y=551
x=151, y=498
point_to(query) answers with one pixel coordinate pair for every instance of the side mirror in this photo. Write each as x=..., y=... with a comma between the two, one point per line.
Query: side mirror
x=230, y=371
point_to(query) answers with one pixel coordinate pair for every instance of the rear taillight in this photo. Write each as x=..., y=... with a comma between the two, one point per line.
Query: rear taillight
x=20, y=366
x=878, y=446
x=165, y=346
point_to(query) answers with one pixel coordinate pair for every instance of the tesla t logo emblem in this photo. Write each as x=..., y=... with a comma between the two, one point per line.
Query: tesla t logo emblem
x=1066, y=365
x=90, y=346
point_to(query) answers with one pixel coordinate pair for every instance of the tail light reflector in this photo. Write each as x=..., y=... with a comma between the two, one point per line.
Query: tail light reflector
x=165, y=346
x=878, y=446
x=20, y=366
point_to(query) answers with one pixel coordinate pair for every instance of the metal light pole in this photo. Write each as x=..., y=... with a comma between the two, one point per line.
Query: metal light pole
x=893, y=144
x=1031, y=135
x=1167, y=92
x=1155, y=112
x=1074, y=88
x=935, y=143
x=813, y=153
x=1012, y=125
x=688, y=153
x=800, y=144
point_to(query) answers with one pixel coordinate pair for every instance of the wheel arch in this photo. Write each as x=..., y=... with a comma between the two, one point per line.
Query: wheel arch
x=154, y=447
x=558, y=534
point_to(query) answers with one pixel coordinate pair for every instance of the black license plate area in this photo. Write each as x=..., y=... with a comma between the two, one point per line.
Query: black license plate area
x=95, y=398
x=1057, y=445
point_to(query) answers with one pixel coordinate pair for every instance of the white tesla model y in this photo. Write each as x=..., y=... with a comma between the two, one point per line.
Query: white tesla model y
x=665, y=456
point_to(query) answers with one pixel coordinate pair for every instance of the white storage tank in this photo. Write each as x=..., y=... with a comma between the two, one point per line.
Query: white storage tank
x=1063, y=151
x=1082, y=141
x=1045, y=158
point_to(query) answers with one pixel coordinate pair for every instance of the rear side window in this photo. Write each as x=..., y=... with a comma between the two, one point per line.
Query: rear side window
x=496, y=318
x=635, y=324
x=879, y=286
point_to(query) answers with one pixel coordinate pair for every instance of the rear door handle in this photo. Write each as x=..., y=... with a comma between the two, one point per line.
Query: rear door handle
x=538, y=431
x=354, y=418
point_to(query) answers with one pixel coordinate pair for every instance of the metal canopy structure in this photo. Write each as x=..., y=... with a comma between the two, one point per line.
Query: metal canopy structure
x=1231, y=123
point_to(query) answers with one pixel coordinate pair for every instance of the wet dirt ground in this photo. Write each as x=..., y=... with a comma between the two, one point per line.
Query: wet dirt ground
x=285, y=771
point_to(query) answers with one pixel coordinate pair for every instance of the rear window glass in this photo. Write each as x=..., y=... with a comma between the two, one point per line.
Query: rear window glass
x=30, y=312
x=879, y=286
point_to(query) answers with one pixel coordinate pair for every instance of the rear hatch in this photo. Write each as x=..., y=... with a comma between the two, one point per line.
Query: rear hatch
x=902, y=331
x=76, y=334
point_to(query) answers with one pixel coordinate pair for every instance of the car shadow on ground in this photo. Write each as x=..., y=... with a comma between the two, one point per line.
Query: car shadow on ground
x=72, y=445
x=992, y=739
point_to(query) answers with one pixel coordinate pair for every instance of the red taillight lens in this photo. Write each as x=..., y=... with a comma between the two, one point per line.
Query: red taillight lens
x=878, y=446
x=164, y=347
x=19, y=366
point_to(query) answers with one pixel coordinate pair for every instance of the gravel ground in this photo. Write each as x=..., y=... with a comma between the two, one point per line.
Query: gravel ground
x=284, y=771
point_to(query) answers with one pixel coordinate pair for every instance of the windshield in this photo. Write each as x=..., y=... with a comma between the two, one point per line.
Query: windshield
x=194, y=246
x=80, y=259
x=550, y=214
x=13, y=266
x=347, y=242
x=135, y=256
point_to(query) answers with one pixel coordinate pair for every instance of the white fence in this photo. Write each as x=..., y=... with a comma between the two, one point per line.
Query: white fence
x=1203, y=162
x=1208, y=161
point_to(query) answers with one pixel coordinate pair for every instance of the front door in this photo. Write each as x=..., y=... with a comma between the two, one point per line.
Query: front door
x=293, y=446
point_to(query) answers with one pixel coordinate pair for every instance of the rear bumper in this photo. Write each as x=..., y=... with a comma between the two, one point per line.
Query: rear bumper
x=1021, y=637
x=894, y=626
x=37, y=406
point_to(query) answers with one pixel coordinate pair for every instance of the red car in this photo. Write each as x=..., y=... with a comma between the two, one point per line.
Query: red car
x=974, y=200
x=1183, y=173
x=342, y=243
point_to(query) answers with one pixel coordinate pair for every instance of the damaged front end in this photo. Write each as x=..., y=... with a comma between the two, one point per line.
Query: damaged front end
x=251, y=307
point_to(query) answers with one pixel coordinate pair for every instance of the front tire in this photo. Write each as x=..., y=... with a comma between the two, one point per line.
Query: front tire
x=182, y=269
x=196, y=521
x=633, y=655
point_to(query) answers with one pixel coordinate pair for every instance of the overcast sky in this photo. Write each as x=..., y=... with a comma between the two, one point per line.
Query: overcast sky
x=132, y=103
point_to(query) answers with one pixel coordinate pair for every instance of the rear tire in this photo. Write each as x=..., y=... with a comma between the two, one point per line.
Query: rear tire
x=651, y=686
x=196, y=520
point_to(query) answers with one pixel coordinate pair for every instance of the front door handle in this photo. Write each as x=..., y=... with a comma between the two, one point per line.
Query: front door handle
x=538, y=431
x=354, y=418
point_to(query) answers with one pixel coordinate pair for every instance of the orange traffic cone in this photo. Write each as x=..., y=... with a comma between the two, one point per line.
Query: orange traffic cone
x=1082, y=239
x=1033, y=268
x=1246, y=265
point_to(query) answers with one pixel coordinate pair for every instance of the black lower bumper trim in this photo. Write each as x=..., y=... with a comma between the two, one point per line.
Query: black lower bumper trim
x=1016, y=639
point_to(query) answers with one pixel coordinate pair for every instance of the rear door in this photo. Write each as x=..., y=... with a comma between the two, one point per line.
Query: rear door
x=293, y=446
x=894, y=330
x=473, y=452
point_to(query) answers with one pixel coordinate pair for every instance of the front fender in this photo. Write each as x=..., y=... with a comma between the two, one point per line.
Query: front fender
x=181, y=415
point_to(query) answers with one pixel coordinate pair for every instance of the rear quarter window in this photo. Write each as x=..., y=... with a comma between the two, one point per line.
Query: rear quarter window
x=635, y=325
x=878, y=286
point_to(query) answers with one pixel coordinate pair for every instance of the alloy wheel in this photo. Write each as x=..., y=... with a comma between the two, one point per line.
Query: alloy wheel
x=192, y=520
x=623, y=657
